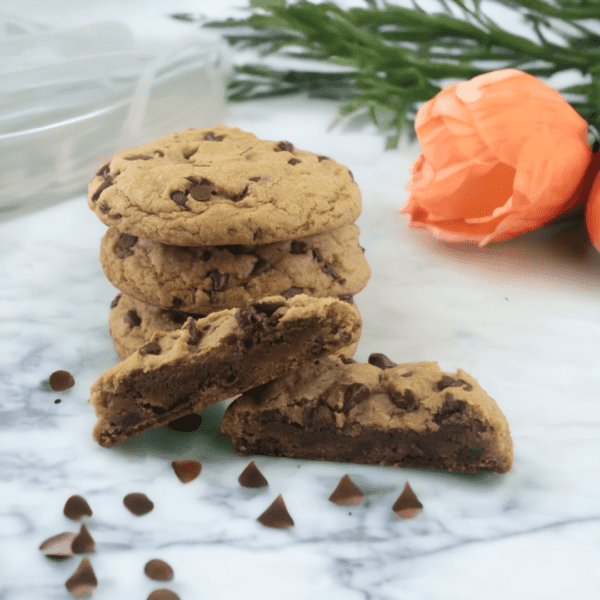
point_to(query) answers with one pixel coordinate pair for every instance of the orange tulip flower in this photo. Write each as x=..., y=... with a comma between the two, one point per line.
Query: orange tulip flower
x=502, y=154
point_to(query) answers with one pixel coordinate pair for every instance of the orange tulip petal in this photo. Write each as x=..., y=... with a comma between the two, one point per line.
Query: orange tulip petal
x=592, y=213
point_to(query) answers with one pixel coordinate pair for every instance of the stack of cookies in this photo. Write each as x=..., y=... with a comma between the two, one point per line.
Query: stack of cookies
x=209, y=220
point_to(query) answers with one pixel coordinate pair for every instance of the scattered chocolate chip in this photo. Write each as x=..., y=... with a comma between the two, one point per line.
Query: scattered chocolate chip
x=127, y=241
x=140, y=157
x=180, y=199
x=61, y=381
x=186, y=424
x=116, y=299
x=103, y=170
x=59, y=546
x=381, y=360
x=104, y=208
x=150, y=348
x=407, y=506
x=277, y=515
x=251, y=476
x=211, y=137
x=405, y=400
x=132, y=318
x=449, y=407
x=163, y=594
x=446, y=381
x=158, y=570
x=284, y=147
x=347, y=493
x=76, y=507
x=202, y=192
x=195, y=335
x=347, y=360
x=219, y=280
x=57, y=401
x=138, y=504
x=116, y=216
x=83, y=582
x=159, y=153
x=83, y=542
x=321, y=158
x=261, y=266
x=329, y=269
x=105, y=184
x=355, y=393
x=257, y=234
x=298, y=247
x=186, y=470
x=317, y=255
x=290, y=292
x=294, y=162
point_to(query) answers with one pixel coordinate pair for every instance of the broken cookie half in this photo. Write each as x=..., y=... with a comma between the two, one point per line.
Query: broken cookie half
x=217, y=357
x=407, y=415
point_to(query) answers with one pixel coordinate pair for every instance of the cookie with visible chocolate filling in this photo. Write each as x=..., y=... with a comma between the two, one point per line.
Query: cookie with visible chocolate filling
x=200, y=279
x=132, y=324
x=407, y=415
x=221, y=185
x=211, y=359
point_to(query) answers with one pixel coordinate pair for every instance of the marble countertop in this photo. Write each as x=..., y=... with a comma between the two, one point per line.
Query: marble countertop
x=522, y=317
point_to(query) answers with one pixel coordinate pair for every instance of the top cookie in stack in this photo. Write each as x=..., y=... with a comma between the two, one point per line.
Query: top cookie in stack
x=210, y=219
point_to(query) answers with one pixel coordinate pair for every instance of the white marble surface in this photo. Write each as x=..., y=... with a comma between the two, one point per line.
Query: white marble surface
x=522, y=317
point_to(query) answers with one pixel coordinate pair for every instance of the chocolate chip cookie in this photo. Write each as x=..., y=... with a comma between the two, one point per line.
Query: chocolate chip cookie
x=220, y=185
x=200, y=279
x=132, y=324
x=211, y=359
x=407, y=415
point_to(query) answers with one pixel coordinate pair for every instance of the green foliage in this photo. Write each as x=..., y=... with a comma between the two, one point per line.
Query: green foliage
x=393, y=59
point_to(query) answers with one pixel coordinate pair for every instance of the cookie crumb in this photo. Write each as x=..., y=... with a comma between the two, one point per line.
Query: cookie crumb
x=251, y=476
x=138, y=504
x=76, y=507
x=347, y=493
x=408, y=505
x=83, y=582
x=277, y=515
x=186, y=470
x=61, y=381
x=159, y=570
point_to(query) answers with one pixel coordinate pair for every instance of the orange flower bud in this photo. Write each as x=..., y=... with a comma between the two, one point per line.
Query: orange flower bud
x=502, y=154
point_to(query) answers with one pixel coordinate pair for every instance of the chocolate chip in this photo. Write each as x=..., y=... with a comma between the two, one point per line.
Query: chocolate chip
x=409, y=374
x=105, y=184
x=159, y=153
x=381, y=360
x=240, y=196
x=76, y=507
x=251, y=476
x=346, y=298
x=104, y=208
x=255, y=179
x=211, y=137
x=267, y=308
x=298, y=247
x=219, y=280
x=446, y=381
x=405, y=400
x=150, y=348
x=138, y=504
x=140, y=157
x=163, y=594
x=61, y=381
x=83, y=582
x=186, y=470
x=355, y=393
x=407, y=506
x=290, y=292
x=284, y=147
x=57, y=401
x=261, y=266
x=180, y=199
x=202, y=192
x=158, y=570
x=347, y=493
x=132, y=318
x=186, y=424
x=321, y=158
x=117, y=216
x=449, y=408
x=59, y=546
x=127, y=241
x=195, y=335
x=294, y=161
x=277, y=515
x=103, y=170
x=317, y=255
x=83, y=542
x=347, y=360
x=329, y=269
